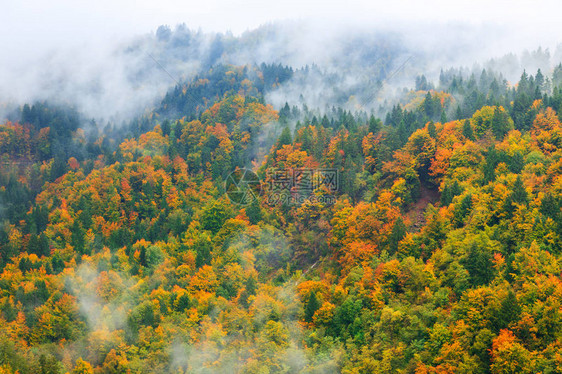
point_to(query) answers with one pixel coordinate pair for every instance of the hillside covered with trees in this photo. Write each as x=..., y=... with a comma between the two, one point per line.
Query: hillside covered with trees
x=441, y=252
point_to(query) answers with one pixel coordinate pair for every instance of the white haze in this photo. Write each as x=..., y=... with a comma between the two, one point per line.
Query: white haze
x=80, y=53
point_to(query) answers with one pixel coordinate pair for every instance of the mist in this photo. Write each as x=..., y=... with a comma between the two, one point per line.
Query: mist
x=113, y=64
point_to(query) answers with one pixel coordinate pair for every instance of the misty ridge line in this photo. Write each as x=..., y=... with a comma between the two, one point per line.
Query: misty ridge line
x=117, y=82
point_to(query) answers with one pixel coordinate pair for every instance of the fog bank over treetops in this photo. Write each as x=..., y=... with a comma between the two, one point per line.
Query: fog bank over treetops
x=359, y=66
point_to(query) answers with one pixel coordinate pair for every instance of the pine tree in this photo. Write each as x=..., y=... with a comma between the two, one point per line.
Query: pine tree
x=550, y=206
x=500, y=123
x=183, y=302
x=519, y=193
x=517, y=162
x=557, y=76
x=396, y=235
x=33, y=244
x=166, y=127
x=402, y=134
x=449, y=192
x=458, y=113
x=375, y=124
x=539, y=80
x=431, y=129
x=42, y=245
x=142, y=257
x=285, y=138
x=479, y=264
x=491, y=161
x=509, y=311
x=77, y=239
x=462, y=210
x=311, y=307
x=467, y=131
x=253, y=211
x=57, y=263
x=202, y=253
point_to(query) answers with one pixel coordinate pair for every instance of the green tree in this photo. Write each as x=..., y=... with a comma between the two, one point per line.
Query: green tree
x=517, y=162
x=509, y=311
x=375, y=124
x=449, y=192
x=285, y=138
x=467, y=130
x=431, y=129
x=396, y=235
x=518, y=192
x=183, y=302
x=312, y=305
x=550, y=206
x=501, y=123
x=213, y=216
x=253, y=211
x=478, y=262
x=77, y=238
x=462, y=209
x=49, y=365
x=203, y=247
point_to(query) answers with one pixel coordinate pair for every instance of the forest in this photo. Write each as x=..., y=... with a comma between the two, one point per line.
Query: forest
x=440, y=252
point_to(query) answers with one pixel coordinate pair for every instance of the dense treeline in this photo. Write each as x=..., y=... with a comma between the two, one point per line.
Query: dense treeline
x=441, y=252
